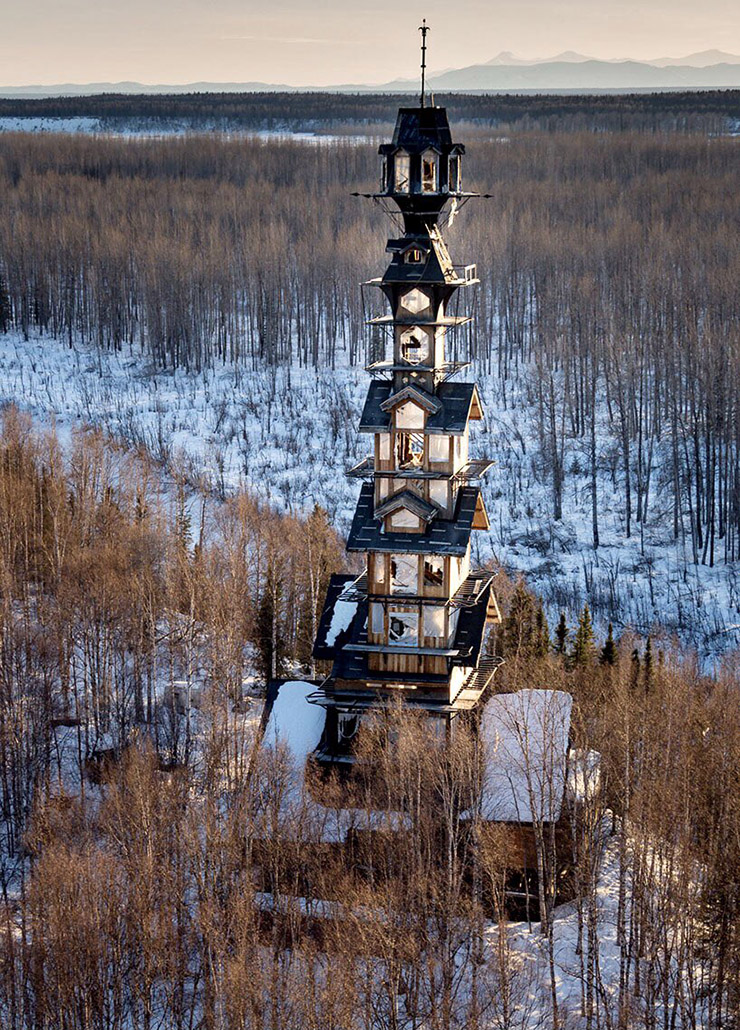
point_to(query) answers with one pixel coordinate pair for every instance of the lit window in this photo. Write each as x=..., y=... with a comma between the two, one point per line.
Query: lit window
x=413, y=256
x=384, y=176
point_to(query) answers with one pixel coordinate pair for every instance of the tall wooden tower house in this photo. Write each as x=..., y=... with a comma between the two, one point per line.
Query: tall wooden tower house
x=413, y=624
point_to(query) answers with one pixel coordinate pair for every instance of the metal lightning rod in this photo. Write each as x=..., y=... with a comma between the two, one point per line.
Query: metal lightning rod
x=423, y=29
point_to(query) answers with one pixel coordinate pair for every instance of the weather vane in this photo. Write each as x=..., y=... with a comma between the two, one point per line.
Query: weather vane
x=423, y=29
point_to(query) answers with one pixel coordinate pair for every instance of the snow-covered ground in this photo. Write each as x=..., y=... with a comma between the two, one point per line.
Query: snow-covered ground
x=289, y=434
x=147, y=128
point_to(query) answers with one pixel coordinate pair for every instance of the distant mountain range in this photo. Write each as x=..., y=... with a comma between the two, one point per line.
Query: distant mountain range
x=566, y=72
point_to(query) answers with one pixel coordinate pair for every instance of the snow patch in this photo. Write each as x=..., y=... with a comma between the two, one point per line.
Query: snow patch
x=525, y=740
x=294, y=721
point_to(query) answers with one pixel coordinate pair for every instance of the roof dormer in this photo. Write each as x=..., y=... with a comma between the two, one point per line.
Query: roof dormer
x=406, y=512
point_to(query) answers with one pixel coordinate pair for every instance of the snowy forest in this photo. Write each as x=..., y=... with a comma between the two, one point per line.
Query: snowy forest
x=182, y=351
x=605, y=336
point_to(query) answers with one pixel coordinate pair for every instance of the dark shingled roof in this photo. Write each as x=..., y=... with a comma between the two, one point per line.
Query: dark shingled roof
x=455, y=400
x=444, y=536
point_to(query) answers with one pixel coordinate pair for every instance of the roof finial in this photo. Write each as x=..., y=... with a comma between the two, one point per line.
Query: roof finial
x=423, y=29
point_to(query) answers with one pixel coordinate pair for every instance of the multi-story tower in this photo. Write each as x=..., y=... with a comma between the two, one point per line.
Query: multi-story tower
x=414, y=622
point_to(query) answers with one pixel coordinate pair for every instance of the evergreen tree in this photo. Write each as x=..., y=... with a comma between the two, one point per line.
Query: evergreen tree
x=583, y=645
x=561, y=635
x=609, y=650
x=269, y=640
x=635, y=674
x=518, y=622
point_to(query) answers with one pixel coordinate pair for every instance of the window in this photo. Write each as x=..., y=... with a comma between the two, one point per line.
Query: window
x=383, y=176
x=439, y=448
x=409, y=450
x=378, y=565
x=429, y=172
x=460, y=451
x=434, y=571
x=454, y=173
x=403, y=628
x=384, y=446
x=434, y=621
x=348, y=724
x=438, y=492
x=413, y=256
x=404, y=574
x=414, y=346
x=403, y=172
x=413, y=302
x=409, y=416
x=404, y=519
x=377, y=619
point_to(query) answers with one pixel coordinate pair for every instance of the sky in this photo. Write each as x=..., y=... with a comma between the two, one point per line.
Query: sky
x=328, y=42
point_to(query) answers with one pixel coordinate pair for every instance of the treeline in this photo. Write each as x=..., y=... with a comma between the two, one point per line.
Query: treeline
x=607, y=262
x=704, y=111
x=121, y=603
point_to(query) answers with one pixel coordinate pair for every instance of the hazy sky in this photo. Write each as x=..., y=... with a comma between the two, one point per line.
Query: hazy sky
x=333, y=41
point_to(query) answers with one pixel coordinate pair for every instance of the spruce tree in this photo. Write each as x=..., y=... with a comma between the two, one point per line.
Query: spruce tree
x=561, y=635
x=609, y=650
x=269, y=637
x=583, y=645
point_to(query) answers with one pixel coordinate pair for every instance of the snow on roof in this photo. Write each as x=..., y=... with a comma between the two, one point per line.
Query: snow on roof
x=297, y=724
x=525, y=740
x=342, y=616
x=294, y=721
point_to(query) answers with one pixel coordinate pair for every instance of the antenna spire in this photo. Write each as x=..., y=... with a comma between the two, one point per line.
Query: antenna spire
x=423, y=29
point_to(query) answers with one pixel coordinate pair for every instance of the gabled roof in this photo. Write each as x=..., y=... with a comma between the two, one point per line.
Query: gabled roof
x=409, y=500
x=458, y=403
x=425, y=400
x=408, y=243
x=443, y=536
